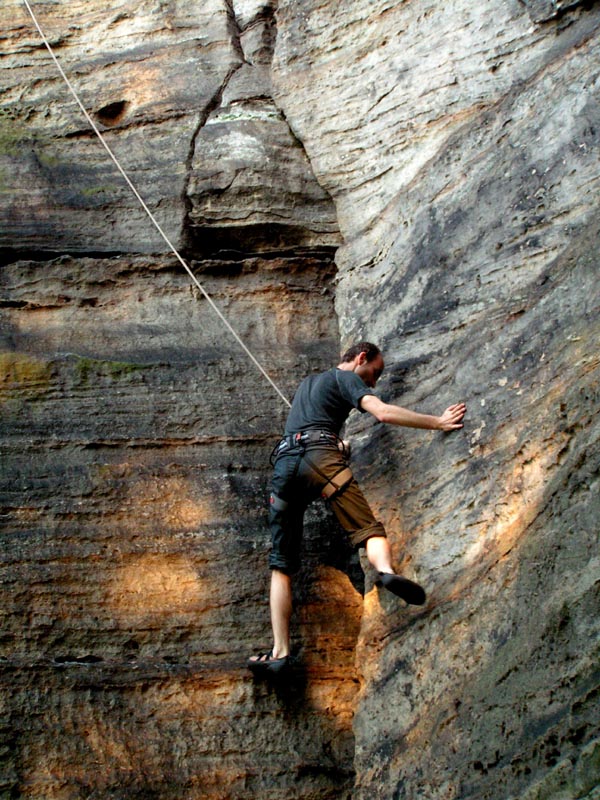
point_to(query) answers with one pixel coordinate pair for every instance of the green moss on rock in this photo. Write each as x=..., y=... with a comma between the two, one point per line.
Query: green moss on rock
x=22, y=373
x=86, y=367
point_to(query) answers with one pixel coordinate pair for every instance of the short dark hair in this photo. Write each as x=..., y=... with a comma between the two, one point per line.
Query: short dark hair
x=371, y=350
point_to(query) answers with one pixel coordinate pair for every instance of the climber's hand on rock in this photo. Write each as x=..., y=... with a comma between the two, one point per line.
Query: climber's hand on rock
x=451, y=419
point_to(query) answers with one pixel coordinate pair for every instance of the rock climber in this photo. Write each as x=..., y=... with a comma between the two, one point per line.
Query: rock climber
x=310, y=461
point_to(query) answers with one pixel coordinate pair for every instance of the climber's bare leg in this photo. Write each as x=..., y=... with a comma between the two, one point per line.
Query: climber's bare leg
x=281, y=612
x=380, y=556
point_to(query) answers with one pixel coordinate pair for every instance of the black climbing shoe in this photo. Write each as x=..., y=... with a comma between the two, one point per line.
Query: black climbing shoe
x=410, y=592
x=265, y=664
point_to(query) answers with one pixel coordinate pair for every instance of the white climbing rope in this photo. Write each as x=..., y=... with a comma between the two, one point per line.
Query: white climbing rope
x=149, y=213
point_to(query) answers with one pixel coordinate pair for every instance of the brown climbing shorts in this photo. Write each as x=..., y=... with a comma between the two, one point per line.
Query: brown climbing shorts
x=300, y=476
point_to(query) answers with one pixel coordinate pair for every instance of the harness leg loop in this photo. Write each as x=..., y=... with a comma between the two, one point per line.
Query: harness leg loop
x=337, y=483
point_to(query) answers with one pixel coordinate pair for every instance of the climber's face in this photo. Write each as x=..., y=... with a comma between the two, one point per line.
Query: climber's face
x=369, y=371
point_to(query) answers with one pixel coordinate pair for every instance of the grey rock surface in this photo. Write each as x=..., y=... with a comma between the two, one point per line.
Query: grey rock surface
x=143, y=75
x=251, y=186
x=452, y=150
x=464, y=163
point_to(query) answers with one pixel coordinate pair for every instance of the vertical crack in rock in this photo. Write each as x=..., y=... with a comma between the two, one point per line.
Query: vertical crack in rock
x=211, y=106
x=234, y=29
x=251, y=187
x=300, y=144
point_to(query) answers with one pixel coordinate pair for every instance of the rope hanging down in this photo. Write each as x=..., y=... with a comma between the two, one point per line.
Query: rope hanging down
x=149, y=213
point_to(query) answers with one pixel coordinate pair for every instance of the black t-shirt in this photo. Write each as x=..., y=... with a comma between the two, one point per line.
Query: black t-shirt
x=323, y=401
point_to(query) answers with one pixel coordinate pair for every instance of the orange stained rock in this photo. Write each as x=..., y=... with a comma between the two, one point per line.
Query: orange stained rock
x=168, y=503
x=152, y=585
x=525, y=488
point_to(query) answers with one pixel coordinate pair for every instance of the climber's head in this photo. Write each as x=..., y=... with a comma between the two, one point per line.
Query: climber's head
x=366, y=360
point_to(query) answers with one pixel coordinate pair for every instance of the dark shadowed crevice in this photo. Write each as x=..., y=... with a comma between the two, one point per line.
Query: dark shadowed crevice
x=234, y=30
x=269, y=240
x=112, y=113
x=542, y=11
x=10, y=255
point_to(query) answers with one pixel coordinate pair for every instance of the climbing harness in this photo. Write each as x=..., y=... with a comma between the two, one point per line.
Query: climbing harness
x=150, y=214
x=335, y=484
x=305, y=441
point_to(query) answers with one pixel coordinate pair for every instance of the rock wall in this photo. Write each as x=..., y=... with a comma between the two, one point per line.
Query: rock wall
x=135, y=432
x=463, y=157
x=134, y=540
x=452, y=150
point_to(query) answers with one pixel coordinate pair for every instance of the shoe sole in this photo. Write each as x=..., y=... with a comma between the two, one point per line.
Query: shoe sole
x=409, y=591
x=273, y=667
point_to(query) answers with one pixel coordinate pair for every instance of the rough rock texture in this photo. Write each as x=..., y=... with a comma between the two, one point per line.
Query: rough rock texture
x=181, y=92
x=244, y=139
x=135, y=433
x=452, y=148
x=463, y=158
x=134, y=471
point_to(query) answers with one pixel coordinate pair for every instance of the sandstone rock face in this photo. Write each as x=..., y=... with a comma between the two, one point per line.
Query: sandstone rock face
x=244, y=139
x=452, y=150
x=135, y=431
x=144, y=77
x=463, y=160
x=181, y=92
x=134, y=474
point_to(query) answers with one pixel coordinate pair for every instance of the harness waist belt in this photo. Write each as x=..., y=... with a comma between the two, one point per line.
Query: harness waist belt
x=306, y=437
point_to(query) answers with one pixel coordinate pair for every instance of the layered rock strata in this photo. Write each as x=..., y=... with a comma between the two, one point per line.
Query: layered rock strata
x=456, y=147
x=135, y=441
x=135, y=431
x=182, y=95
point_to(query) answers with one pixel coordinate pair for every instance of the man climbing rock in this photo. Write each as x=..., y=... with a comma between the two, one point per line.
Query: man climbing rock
x=310, y=461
